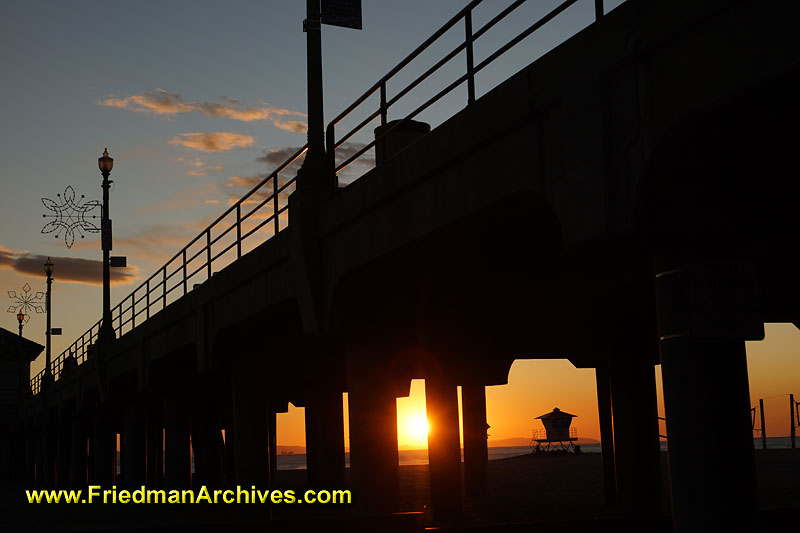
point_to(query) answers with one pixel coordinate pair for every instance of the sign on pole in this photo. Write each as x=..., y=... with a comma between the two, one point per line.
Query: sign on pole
x=344, y=13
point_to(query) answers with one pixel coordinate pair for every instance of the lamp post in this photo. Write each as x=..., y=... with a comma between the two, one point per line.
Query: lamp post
x=105, y=164
x=48, y=269
x=20, y=318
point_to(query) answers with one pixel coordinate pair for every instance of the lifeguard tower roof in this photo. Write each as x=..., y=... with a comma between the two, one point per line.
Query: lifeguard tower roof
x=557, y=413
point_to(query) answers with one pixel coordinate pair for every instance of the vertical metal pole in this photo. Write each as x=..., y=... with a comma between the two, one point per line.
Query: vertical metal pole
x=238, y=231
x=48, y=304
x=470, y=59
x=383, y=103
x=598, y=9
x=107, y=330
x=164, y=287
x=147, y=312
x=791, y=418
x=312, y=26
x=184, y=271
x=133, y=309
x=276, y=222
x=208, y=253
x=763, y=427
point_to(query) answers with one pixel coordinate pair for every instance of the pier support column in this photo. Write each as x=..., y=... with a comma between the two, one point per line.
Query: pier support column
x=250, y=430
x=606, y=435
x=636, y=447
x=102, y=449
x=134, y=447
x=208, y=450
x=272, y=421
x=444, y=446
x=177, y=454
x=63, y=450
x=155, y=444
x=325, y=438
x=476, y=451
x=714, y=490
x=79, y=453
x=373, y=434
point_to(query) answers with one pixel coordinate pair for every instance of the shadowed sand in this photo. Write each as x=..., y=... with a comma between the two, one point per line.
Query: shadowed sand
x=522, y=490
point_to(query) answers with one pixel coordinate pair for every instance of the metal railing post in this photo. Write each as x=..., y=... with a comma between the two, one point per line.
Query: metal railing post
x=164, y=287
x=238, y=230
x=208, y=253
x=470, y=57
x=184, y=271
x=275, y=203
x=147, y=299
x=133, y=309
x=598, y=9
x=383, y=103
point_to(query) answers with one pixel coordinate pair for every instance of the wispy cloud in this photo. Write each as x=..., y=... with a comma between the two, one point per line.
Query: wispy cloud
x=66, y=269
x=165, y=103
x=220, y=141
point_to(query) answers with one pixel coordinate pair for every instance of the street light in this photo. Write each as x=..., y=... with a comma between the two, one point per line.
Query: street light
x=48, y=269
x=20, y=318
x=105, y=164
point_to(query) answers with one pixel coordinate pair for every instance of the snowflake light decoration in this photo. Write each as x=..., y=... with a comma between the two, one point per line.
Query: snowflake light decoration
x=26, y=302
x=70, y=216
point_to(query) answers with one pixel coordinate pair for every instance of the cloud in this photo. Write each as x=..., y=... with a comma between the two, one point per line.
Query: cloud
x=66, y=269
x=193, y=196
x=165, y=103
x=213, y=142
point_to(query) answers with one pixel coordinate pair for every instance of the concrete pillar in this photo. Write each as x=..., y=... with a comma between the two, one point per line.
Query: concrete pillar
x=63, y=450
x=208, y=450
x=715, y=490
x=102, y=450
x=373, y=434
x=272, y=420
x=29, y=476
x=636, y=444
x=476, y=451
x=606, y=435
x=177, y=454
x=78, y=457
x=155, y=444
x=325, y=438
x=134, y=446
x=48, y=453
x=444, y=446
x=250, y=430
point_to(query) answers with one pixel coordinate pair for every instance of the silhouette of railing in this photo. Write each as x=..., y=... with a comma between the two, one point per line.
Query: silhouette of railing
x=188, y=265
x=467, y=47
x=152, y=295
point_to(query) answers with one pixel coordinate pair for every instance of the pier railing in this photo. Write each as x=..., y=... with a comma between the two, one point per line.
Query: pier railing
x=256, y=216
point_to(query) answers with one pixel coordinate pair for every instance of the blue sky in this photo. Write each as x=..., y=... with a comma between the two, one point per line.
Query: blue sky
x=187, y=95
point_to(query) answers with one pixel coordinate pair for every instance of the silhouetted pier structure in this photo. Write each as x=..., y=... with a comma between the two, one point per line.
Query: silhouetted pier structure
x=620, y=202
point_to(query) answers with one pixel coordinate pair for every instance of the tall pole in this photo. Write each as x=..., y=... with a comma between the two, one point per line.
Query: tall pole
x=763, y=427
x=107, y=329
x=20, y=318
x=315, y=171
x=791, y=417
x=48, y=269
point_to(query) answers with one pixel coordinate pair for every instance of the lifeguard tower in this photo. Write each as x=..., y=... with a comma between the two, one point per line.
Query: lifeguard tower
x=557, y=435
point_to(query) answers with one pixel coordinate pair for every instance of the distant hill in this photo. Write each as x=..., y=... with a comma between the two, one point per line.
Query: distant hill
x=522, y=441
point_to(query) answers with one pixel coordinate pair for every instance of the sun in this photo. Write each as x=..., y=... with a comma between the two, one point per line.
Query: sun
x=416, y=429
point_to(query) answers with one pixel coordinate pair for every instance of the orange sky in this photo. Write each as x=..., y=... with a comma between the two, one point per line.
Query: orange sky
x=536, y=386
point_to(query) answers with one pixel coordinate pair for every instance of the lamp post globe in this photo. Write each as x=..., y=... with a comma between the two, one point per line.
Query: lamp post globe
x=20, y=318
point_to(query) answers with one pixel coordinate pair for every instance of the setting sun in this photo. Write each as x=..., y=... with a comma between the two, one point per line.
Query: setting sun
x=416, y=428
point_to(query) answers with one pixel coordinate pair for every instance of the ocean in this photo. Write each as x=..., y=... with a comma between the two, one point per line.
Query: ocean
x=297, y=461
